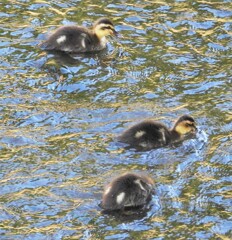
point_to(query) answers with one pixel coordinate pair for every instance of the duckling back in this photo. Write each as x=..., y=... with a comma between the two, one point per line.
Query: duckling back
x=128, y=190
x=146, y=135
x=74, y=39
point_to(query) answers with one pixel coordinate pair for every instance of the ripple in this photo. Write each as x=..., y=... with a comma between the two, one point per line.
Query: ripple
x=60, y=115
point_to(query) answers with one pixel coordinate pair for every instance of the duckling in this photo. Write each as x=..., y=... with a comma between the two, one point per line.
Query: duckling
x=127, y=191
x=150, y=134
x=77, y=39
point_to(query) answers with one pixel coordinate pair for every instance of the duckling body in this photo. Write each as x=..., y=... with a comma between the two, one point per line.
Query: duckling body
x=151, y=134
x=128, y=190
x=78, y=39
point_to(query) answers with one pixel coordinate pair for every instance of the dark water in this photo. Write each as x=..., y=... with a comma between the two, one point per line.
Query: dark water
x=60, y=115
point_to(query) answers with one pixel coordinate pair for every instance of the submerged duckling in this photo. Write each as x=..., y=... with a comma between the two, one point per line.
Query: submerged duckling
x=151, y=134
x=126, y=191
x=78, y=39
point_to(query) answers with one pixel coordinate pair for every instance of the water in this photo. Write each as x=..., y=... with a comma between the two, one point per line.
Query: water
x=60, y=116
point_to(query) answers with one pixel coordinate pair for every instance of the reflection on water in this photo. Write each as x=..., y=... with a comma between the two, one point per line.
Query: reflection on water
x=60, y=115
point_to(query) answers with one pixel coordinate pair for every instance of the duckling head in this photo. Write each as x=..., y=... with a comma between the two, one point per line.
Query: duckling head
x=104, y=27
x=185, y=125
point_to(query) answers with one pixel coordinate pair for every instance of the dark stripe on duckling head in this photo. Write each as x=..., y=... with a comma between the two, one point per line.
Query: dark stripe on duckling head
x=185, y=118
x=107, y=27
x=104, y=27
x=104, y=21
x=185, y=125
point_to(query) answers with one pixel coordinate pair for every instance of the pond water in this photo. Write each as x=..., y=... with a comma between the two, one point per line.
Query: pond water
x=60, y=116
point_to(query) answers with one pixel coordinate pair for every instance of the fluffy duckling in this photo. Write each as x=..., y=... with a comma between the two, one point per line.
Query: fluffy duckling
x=77, y=39
x=126, y=191
x=150, y=134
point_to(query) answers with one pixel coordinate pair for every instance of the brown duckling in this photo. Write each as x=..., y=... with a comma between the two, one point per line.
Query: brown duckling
x=78, y=39
x=127, y=191
x=150, y=134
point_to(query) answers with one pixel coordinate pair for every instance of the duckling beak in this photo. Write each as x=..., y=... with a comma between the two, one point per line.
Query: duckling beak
x=115, y=33
x=194, y=130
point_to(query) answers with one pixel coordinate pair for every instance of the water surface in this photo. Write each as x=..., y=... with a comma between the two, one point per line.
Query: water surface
x=60, y=115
